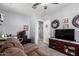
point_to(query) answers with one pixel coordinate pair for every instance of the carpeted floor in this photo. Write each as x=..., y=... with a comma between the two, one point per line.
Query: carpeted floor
x=51, y=52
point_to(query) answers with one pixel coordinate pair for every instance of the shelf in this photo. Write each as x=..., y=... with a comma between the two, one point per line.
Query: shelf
x=67, y=48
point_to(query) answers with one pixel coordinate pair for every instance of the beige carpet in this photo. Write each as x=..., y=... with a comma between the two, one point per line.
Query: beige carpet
x=49, y=51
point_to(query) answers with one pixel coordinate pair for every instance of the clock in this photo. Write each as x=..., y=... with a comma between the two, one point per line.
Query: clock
x=75, y=21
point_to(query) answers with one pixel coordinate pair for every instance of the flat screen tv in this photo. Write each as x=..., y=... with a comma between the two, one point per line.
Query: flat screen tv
x=65, y=34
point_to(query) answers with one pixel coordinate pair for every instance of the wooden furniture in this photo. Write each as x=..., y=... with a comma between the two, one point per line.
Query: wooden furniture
x=26, y=41
x=64, y=46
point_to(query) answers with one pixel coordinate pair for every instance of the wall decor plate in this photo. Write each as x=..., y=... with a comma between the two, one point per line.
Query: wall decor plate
x=65, y=23
x=75, y=21
x=55, y=24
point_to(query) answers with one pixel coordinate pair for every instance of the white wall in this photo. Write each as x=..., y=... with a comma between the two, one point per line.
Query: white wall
x=46, y=31
x=67, y=12
x=13, y=22
x=32, y=28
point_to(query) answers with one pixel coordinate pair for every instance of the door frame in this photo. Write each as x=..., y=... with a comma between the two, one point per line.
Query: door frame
x=37, y=30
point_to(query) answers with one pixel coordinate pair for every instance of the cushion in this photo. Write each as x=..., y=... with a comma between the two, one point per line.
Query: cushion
x=30, y=47
x=13, y=51
x=41, y=52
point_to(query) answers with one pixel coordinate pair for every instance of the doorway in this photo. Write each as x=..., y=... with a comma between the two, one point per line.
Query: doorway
x=40, y=31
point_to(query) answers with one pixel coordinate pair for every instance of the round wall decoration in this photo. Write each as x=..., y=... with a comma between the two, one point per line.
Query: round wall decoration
x=55, y=24
x=75, y=21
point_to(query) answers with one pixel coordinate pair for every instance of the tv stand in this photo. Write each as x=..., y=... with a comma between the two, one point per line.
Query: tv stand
x=67, y=47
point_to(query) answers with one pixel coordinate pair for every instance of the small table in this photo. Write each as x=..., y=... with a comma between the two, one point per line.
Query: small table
x=26, y=41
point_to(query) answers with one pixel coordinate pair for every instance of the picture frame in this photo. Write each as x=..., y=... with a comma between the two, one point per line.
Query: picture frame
x=66, y=23
x=26, y=27
x=75, y=21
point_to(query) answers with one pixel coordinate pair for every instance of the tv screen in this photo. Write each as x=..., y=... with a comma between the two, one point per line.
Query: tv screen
x=65, y=34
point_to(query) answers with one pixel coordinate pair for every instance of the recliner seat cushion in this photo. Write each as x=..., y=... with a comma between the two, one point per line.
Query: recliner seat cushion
x=13, y=51
x=28, y=48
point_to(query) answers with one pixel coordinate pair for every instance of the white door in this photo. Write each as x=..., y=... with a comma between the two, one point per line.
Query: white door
x=40, y=31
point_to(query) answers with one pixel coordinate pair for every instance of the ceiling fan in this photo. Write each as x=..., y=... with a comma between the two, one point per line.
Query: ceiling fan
x=45, y=5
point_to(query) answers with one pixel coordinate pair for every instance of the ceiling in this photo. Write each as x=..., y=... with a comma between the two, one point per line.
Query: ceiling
x=26, y=8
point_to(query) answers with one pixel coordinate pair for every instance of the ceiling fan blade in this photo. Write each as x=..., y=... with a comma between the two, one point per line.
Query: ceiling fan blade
x=54, y=3
x=34, y=5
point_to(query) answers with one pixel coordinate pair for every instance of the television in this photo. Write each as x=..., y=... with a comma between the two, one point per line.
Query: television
x=65, y=34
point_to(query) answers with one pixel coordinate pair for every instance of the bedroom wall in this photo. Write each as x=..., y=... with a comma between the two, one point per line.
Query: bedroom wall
x=67, y=12
x=13, y=23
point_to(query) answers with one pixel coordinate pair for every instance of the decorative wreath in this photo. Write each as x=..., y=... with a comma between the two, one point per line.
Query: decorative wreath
x=75, y=21
x=55, y=24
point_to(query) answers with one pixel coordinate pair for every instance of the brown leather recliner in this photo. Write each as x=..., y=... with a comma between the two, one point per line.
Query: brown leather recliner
x=13, y=47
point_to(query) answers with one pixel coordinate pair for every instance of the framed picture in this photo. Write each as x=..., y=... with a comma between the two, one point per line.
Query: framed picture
x=26, y=27
x=65, y=23
x=65, y=20
x=65, y=26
